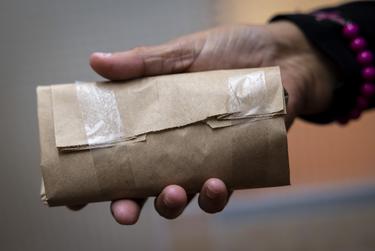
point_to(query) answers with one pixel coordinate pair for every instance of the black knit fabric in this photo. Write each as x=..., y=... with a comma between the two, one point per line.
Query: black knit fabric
x=326, y=36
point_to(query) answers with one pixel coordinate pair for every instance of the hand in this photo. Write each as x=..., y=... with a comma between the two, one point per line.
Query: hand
x=306, y=76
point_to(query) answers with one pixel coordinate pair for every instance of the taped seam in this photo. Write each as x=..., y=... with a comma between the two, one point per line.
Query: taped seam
x=100, y=113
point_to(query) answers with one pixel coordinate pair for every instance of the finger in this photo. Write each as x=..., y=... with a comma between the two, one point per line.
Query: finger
x=171, y=202
x=172, y=57
x=126, y=212
x=213, y=196
x=76, y=207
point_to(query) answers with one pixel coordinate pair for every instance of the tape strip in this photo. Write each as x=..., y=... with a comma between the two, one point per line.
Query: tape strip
x=100, y=113
x=248, y=93
x=103, y=124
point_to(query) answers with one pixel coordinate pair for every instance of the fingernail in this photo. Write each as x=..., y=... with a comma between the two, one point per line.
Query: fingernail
x=103, y=54
x=211, y=192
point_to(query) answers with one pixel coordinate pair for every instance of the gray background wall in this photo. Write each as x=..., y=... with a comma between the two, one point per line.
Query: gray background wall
x=44, y=42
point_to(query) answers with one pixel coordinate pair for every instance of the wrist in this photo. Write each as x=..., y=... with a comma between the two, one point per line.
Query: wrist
x=307, y=75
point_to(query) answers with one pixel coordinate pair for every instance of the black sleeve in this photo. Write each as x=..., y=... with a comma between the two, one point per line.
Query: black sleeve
x=326, y=36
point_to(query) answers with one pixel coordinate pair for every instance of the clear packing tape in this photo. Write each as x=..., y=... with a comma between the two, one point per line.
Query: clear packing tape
x=105, y=141
x=100, y=114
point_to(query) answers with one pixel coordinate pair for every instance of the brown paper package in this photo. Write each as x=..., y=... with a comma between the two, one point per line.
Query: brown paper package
x=106, y=141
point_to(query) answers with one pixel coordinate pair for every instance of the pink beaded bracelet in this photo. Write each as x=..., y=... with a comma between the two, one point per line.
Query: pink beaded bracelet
x=364, y=57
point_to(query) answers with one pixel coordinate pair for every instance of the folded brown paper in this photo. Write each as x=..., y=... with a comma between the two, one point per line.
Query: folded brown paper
x=105, y=141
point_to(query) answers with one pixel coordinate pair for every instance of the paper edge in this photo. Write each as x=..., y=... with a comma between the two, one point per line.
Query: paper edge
x=214, y=122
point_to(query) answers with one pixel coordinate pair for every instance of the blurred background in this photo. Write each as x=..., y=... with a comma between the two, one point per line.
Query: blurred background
x=329, y=206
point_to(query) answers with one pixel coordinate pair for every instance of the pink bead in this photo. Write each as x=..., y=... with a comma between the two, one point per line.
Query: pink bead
x=368, y=89
x=350, y=30
x=355, y=114
x=362, y=103
x=358, y=44
x=368, y=73
x=365, y=57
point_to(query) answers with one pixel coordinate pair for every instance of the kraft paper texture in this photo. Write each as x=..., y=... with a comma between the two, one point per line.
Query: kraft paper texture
x=106, y=141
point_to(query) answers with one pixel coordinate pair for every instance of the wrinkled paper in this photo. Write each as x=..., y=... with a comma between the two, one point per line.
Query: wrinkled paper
x=106, y=141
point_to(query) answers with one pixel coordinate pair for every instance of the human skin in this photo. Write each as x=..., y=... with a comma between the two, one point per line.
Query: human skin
x=306, y=76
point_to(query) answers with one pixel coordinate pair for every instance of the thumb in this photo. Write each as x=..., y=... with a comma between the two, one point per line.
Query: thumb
x=172, y=57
